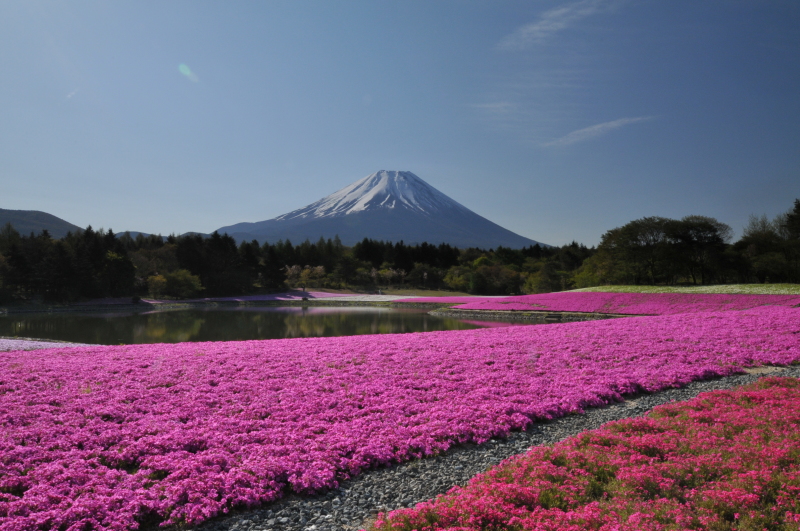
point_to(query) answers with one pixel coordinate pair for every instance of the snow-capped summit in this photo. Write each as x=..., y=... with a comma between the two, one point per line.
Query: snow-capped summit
x=389, y=206
x=381, y=190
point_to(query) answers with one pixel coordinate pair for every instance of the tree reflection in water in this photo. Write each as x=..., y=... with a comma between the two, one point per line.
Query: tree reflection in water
x=229, y=324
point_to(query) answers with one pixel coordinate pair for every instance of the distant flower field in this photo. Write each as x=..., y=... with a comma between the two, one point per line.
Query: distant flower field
x=742, y=289
x=631, y=303
x=726, y=460
x=110, y=437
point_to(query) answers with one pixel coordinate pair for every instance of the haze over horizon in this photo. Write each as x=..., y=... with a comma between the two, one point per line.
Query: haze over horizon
x=556, y=120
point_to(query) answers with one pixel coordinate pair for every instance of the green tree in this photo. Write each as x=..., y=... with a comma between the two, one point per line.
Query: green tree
x=791, y=221
x=8, y=237
x=699, y=243
x=156, y=286
x=545, y=280
x=118, y=275
x=790, y=225
x=639, y=250
x=458, y=278
x=181, y=284
x=272, y=274
x=346, y=270
x=762, y=246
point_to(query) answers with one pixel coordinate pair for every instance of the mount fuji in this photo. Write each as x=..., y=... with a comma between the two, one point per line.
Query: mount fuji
x=389, y=206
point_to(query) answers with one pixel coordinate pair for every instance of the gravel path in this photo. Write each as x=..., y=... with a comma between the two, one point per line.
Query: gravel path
x=355, y=504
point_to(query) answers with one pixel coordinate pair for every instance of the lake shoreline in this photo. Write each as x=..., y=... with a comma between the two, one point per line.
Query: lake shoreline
x=178, y=305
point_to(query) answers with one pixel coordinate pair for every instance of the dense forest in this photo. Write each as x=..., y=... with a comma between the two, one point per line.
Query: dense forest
x=696, y=250
x=91, y=264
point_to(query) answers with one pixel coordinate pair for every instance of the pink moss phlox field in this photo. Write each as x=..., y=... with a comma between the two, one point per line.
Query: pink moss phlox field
x=632, y=303
x=105, y=437
x=725, y=460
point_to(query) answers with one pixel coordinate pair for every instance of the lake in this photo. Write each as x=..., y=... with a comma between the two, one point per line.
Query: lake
x=226, y=324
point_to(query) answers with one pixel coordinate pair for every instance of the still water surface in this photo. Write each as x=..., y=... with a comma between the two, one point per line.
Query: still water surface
x=225, y=324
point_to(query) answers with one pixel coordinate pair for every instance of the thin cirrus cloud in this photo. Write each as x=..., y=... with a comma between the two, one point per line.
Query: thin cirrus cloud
x=553, y=21
x=595, y=130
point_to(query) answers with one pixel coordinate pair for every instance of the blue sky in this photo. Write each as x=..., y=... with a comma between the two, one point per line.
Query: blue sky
x=557, y=120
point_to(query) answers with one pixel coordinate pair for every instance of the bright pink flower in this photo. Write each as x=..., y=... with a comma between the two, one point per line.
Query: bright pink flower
x=624, y=303
x=724, y=457
x=109, y=436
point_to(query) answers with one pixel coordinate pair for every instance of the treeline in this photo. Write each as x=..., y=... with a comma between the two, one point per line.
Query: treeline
x=500, y=271
x=93, y=264
x=81, y=265
x=696, y=250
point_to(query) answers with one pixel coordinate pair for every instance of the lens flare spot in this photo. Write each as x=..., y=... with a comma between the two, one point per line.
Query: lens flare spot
x=186, y=71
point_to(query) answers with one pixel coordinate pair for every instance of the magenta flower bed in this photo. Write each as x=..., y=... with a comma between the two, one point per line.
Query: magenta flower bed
x=106, y=437
x=632, y=303
x=724, y=461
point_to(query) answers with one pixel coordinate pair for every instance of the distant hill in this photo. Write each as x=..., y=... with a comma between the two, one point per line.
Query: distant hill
x=27, y=221
x=389, y=206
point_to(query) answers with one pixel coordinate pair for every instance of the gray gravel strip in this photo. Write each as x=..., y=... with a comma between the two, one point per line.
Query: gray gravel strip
x=26, y=343
x=356, y=503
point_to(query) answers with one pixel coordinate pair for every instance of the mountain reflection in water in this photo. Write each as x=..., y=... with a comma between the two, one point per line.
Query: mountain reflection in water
x=228, y=324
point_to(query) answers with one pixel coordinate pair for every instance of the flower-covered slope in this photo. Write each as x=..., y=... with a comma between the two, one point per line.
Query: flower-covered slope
x=747, y=289
x=626, y=303
x=726, y=460
x=107, y=437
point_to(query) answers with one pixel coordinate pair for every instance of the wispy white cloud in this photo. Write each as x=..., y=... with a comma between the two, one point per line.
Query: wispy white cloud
x=595, y=130
x=553, y=21
x=69, y=96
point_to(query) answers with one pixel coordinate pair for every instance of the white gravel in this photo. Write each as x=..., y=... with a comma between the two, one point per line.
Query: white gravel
x=8, y=344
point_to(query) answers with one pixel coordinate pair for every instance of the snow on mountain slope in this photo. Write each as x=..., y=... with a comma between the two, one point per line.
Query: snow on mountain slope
x=381, y=190
x=389, y=206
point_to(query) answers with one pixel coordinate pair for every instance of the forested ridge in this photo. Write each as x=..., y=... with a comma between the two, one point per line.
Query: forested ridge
x=91, y=264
